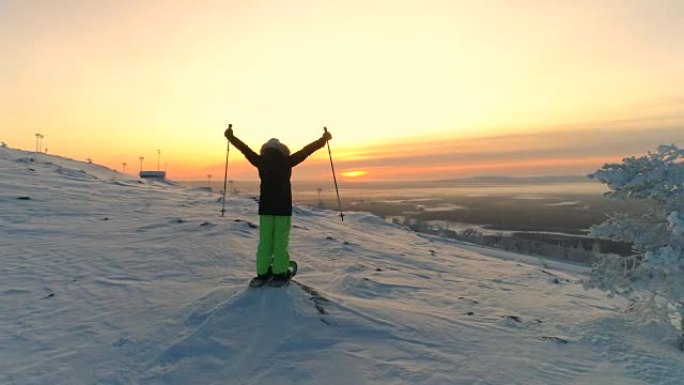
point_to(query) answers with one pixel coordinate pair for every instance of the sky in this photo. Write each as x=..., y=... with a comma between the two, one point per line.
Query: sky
x=409, y=89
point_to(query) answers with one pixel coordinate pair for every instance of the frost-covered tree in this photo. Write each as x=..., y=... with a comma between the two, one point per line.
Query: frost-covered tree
x=653, y=276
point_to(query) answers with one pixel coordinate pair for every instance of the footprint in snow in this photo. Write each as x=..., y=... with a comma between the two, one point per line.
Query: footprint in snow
x=249, y=224
x=558, y=340
x=316, y=298
x=517, y=321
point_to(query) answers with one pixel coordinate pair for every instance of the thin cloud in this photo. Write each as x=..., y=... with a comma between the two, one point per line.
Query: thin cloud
x=551, y=152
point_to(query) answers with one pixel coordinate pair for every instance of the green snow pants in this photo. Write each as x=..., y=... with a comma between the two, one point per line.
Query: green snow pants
x=274, y=238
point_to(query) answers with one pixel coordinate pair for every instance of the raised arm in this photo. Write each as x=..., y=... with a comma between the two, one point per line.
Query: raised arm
x=299, y=156
x=251, y=156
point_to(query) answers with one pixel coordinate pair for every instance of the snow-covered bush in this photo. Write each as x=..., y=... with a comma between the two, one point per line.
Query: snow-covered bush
x=653, y=276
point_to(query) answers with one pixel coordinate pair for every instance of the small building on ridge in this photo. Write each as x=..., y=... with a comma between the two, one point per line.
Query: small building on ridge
x=156, y=175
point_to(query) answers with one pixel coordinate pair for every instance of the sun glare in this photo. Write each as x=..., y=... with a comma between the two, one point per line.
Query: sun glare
x=353, y=174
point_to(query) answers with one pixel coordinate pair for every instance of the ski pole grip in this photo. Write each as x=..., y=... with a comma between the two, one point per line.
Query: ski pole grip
x=325, y=129
x=230, y=127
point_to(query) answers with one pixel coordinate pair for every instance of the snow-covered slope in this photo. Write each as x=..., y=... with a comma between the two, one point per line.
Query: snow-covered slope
x=105, y=280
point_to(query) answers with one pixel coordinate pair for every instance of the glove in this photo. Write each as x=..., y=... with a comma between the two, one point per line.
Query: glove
x=229, y=133
x=327, y=136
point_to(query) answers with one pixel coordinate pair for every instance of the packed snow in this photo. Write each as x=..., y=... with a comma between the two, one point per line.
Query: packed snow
x=109, y=280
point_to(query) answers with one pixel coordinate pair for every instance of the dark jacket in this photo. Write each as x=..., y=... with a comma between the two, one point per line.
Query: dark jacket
x=275, y=170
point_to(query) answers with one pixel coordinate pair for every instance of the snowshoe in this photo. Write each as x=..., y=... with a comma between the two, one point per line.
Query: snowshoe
x=261, y=280
x=279, y=280
x=292, y=271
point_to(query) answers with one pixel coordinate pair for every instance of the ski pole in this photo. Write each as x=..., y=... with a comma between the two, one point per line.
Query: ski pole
x=225, y=176
x=339, y=203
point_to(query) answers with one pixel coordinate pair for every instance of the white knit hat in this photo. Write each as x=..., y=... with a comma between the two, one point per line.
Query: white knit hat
x=276, y=145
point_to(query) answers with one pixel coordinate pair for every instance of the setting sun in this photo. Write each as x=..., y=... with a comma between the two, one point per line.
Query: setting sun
x=353, y=174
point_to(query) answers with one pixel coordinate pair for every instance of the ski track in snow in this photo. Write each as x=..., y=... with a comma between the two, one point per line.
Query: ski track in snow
x=106, y=280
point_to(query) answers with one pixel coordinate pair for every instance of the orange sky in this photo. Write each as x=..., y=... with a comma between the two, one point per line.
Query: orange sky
x=409, y=89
